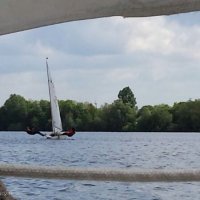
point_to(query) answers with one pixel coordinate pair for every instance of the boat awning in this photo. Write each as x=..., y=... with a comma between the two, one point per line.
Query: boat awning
x=18, y=15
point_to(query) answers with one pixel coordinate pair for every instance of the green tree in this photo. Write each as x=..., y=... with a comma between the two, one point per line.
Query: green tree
x=85, y=116
x=162, y=117
x=68, y=113
x=15, y=112
x=186, y=116
x=34, y=114
x=45, y=116
x=127, y=96
x=119, y=116
x=144, y=120
x=154, y=118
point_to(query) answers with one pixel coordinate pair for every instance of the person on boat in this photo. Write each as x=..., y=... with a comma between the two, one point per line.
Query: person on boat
x=68, y=133
x=33, y=131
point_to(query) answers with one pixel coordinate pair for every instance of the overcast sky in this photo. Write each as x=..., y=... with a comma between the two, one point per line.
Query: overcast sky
x=91, y=60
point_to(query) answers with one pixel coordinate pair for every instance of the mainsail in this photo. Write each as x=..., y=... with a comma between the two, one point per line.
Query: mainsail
x=55, y=111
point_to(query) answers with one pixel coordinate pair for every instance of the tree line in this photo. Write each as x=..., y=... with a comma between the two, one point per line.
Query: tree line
x=122, y=115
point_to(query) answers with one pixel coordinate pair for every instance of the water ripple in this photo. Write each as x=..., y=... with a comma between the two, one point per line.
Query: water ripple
x=106, y=150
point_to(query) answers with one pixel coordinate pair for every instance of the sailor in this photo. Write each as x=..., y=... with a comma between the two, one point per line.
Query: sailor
x=32, y=131
x=70, y=132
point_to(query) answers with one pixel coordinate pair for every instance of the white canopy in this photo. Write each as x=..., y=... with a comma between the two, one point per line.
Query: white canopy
x=18, y=15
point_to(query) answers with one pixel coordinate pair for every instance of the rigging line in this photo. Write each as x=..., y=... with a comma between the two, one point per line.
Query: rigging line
x=119, y=175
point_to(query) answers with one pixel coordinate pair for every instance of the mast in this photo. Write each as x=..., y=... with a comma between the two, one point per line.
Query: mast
x=49, y=91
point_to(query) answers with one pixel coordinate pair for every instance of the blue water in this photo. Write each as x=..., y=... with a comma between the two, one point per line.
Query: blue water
x=102, y=150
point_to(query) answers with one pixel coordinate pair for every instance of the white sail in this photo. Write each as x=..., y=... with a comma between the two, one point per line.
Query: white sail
x=55, y=111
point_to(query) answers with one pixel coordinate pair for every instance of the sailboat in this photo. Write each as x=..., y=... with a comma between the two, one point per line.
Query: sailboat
x=55, y=111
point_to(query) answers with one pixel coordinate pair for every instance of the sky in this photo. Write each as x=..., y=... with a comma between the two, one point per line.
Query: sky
x=92, y=60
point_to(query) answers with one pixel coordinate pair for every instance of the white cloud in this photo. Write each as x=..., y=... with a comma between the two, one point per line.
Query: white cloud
x=28, y=84
x=92, y=60
x=42, y=50
x=150, y=35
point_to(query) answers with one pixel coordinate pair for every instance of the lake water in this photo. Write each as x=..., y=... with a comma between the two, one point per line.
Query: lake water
x=102, y=150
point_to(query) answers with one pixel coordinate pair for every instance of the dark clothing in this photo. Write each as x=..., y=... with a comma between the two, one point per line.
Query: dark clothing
x=68, y=133
x=32, y=131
